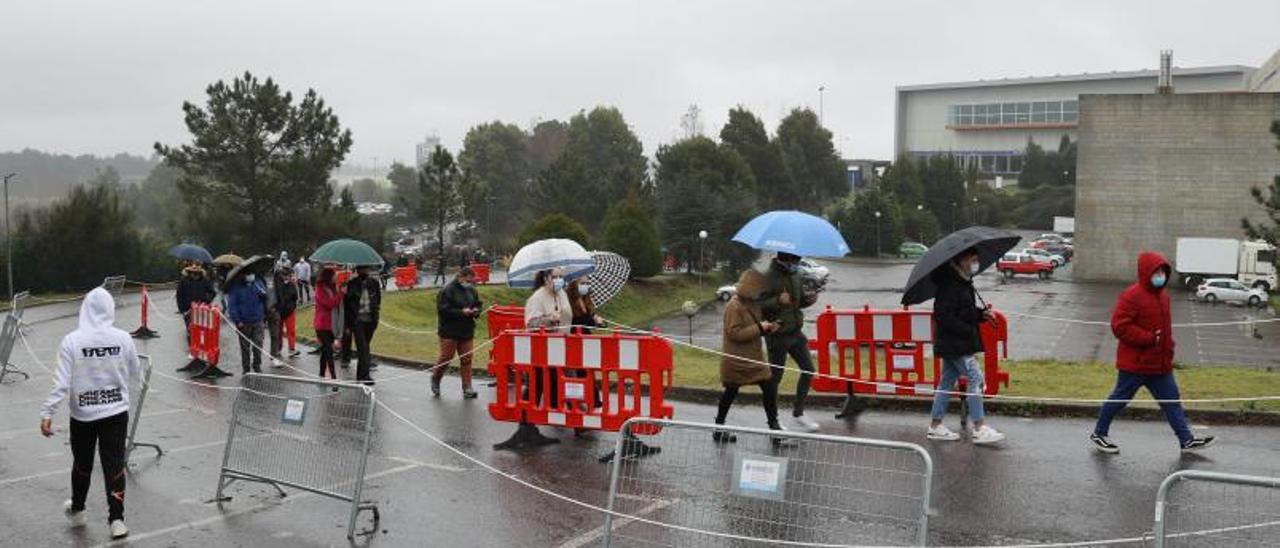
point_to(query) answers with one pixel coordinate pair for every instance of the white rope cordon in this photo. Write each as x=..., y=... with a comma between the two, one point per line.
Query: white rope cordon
x=623, y=328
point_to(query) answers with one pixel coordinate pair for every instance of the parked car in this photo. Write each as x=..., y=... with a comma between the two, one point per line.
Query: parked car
x=813, y=279
x=1012, y=264
x=814, y=271
x=726, y=292
x=912, y=250
x=1230, y=291
x=1056, y=248
x=1052, y=237
x=1044, y=256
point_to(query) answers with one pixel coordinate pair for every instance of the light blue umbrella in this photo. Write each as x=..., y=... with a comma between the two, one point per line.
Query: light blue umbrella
x=565, y=255
x=793, y=232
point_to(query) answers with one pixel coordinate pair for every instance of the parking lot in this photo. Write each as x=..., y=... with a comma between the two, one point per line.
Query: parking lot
x=1059, y=318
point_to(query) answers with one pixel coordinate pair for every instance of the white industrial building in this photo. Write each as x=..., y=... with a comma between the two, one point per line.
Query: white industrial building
x=988, y=122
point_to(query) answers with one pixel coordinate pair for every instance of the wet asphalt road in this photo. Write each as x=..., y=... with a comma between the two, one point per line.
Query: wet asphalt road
x=1043, y=485
x=1058, y=305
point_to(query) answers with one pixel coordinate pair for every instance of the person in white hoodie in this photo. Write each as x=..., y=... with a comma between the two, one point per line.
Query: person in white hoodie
x=95, y=364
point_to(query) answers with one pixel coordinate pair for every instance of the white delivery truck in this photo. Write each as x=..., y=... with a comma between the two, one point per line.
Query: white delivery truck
x=1253, y=263
x=1065, y=226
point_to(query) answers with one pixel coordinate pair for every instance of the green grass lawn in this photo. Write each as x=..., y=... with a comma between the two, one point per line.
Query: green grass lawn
x=640, y=304
x=644, y=301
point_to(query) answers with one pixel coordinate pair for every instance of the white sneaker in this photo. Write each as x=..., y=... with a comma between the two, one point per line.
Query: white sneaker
x=804, y=424
x=987, y=435
x=77, y=519
x=118, y=529
x=942, y=433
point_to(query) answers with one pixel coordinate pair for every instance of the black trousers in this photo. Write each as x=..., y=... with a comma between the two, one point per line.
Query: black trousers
x=108, y=435
x=795, y=345
x=326, y=353
x=768, y=388
x=362, y=332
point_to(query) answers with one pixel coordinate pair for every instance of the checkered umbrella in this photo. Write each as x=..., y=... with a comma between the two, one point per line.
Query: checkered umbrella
x=612, y=272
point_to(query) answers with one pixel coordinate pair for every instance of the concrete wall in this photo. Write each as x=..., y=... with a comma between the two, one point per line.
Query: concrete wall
x=922, y=114
x=1155, y=168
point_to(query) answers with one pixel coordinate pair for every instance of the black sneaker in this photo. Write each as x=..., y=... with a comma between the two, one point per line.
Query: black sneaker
x=469, y=394
x=1101, y=443
x=435, y=386
x=720, y=436
x=1197, y=444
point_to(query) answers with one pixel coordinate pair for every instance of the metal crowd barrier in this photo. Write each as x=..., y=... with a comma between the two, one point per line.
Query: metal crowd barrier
x=306, y=434
x=769, y=487
x=138, y=397
x=9, y=335
x=115, y=286
x=1209, y=509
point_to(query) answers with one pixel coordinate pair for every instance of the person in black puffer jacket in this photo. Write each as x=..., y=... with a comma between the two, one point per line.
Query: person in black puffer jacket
x=286, y=302
x=956, y=338
x=362, y=304
x=458, y=306
x=194, y=287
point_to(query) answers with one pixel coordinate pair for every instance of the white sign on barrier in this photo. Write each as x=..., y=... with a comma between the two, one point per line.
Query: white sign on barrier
x=574, y=391
x=760, y=476
x=904, y=362
x=294, y=411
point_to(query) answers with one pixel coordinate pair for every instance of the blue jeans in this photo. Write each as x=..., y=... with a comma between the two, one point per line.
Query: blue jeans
x=952, y=369
x=1161, y=387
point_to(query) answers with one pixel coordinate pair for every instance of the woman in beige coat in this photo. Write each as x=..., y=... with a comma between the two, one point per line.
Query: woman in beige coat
x=744, y=362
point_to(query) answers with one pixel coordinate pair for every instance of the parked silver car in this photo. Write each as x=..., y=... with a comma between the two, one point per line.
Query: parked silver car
x=1230, y=290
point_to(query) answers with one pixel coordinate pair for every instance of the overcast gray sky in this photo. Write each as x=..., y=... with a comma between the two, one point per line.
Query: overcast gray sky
x=105, y=77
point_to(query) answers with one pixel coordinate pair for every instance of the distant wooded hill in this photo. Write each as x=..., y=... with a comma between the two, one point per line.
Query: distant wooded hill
x=43, y=176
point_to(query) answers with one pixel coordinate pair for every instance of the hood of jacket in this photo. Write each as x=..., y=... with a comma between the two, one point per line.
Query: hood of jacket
x=98, y=311
x=1148, y=263
x=751, y=284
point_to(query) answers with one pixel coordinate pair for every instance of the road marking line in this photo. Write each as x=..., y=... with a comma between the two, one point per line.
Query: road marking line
x=68, y=469
x=7, y=433
x=429, y=465
x=223, y=516
x=594, y=535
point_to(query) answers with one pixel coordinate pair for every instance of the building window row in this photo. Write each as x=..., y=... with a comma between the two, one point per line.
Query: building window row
x=987, y=163
x=1013, y=114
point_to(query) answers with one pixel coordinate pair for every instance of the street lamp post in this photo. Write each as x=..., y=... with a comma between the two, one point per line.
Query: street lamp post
x=975, y=210
x=8, y=240
x=919, y=223
x=820, y=90
x=702, y=238
x=877, y=234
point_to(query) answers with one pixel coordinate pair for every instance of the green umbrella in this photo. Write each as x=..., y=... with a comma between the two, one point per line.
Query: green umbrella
x=347, y=251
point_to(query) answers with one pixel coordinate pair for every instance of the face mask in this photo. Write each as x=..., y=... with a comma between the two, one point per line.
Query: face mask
x=467, y=285
x=250, y=277
x=974, y=267
x=1158, y=280
x=584, y=289
x=558, y=284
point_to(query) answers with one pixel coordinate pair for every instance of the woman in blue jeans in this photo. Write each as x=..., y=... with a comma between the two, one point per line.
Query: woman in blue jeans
x=1143, y=328
x=956, y=320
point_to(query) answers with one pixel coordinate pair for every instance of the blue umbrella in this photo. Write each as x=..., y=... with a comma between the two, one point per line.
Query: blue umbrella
x=191, y=252
x=793, y=232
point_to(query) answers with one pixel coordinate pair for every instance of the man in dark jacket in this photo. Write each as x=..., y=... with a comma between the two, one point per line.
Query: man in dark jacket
x=247, y=308
x=1143, y=327
x=458, y=306
x=194, y=287
x=361, y=307
x=956, y=338
x=286, y=303
x=782, y=305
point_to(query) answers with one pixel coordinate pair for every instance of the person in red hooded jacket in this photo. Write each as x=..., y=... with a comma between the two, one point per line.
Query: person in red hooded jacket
x=1142, y=324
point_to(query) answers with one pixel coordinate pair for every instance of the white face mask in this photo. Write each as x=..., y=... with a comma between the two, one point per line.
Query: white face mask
x=974, y=268
x=584, y=289
x=557, y=284
x=250, y=277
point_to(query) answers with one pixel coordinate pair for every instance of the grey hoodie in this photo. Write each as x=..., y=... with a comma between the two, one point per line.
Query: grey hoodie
x=95, y=364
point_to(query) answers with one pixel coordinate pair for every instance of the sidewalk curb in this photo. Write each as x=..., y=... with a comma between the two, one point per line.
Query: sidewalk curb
x=826, y=402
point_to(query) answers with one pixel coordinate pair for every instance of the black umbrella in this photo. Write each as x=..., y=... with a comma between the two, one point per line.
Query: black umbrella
x=260, y=265
x=991, y=244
